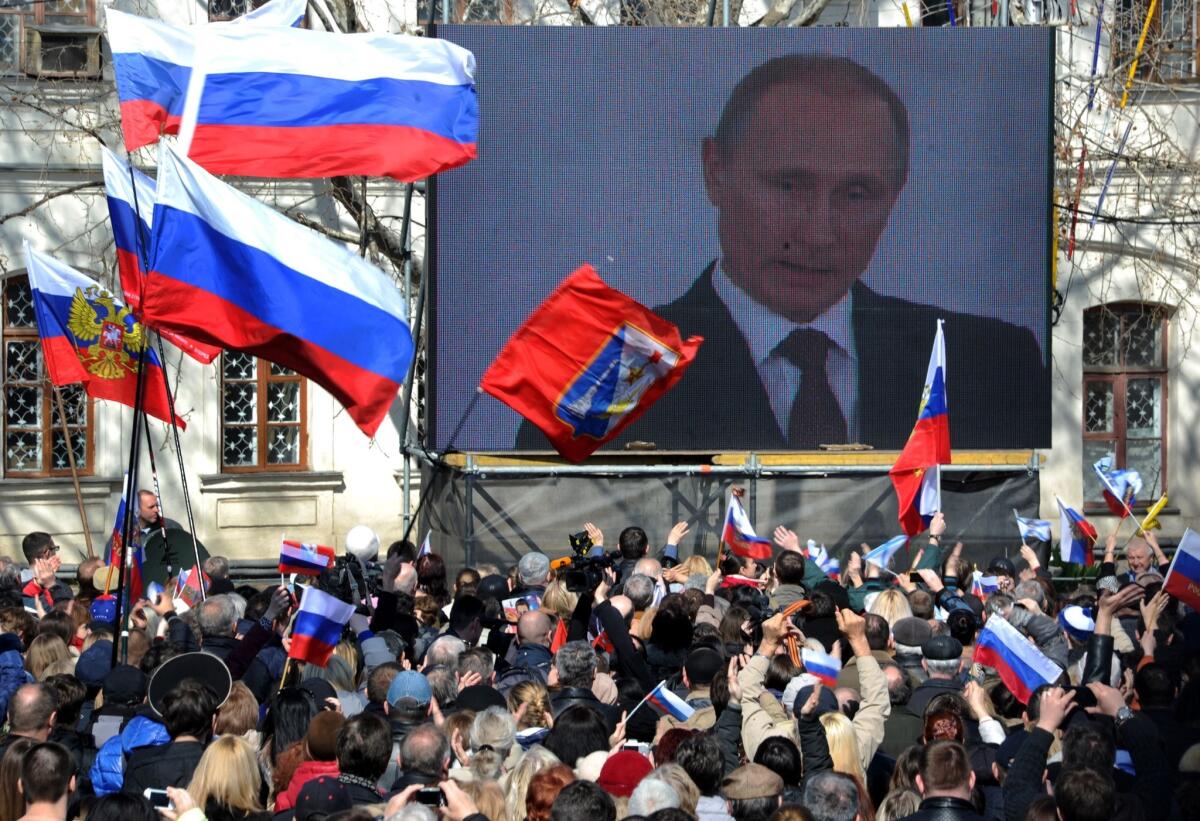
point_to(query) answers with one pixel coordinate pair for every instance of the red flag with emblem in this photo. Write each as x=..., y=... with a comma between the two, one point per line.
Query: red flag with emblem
x=587, y=363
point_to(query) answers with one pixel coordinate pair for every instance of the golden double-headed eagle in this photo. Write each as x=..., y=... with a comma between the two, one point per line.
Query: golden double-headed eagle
x=109, y=357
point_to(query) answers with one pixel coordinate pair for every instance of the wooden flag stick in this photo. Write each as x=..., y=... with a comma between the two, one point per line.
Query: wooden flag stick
x=66, y=431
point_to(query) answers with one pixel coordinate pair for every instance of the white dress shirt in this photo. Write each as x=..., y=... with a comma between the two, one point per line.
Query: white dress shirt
x=763, y=330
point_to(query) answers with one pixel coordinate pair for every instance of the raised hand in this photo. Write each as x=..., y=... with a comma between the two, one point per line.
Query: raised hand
x=937, y=525
x=787, y=539
x=594, y=533
x=810, y=703
x=1054, y=706
x=677, y=533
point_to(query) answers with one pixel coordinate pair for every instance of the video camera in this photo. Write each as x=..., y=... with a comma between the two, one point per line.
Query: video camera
x=351, y=579
x=582, y=573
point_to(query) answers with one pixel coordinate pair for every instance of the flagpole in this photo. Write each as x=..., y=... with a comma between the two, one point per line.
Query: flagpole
x=121, y=645
x=462, y=420
x=162, y=517
x=644, y=700
x=183, y=484
x=62, y=418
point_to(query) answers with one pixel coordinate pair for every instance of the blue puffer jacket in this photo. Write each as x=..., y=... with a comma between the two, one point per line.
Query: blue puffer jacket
x=12, y=669
x=108, y=770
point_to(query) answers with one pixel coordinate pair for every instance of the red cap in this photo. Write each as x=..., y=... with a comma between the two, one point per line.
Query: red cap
x=623, y=771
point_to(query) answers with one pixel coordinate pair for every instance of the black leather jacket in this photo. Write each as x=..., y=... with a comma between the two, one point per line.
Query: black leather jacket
x=945, y=808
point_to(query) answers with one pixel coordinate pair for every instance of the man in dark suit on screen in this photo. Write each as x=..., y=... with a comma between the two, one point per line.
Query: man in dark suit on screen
x=807, y=161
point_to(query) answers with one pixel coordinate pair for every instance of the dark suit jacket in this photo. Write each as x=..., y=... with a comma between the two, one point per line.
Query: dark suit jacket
x=997, y=383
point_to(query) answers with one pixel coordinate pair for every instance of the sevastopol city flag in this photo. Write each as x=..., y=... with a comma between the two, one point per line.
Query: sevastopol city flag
x=1120, y=486
x=1037, y=529
x=1183, y=576
x=883, y=554
x=587, y=363
x=304, y=559
x=1076, y=535
x=916, y=475
x=279, y=102
x=130, y=195
x=822, y=665
x=666, y=701
x=230, y=271
x=89, y=337
x=318, y=626
x=739, y=536
x=152, y=63
x=1021, y=665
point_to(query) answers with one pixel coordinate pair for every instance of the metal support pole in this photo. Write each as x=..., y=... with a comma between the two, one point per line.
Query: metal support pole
x=66, y=430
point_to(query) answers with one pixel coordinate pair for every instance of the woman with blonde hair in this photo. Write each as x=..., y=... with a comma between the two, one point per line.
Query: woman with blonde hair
x=536, y=698
x=892, y=605
x=227, y=782
x=558, y=600
x=843, y=746
x=898, y=804
x=515, y=782
x=488, y=799
x=44, y=651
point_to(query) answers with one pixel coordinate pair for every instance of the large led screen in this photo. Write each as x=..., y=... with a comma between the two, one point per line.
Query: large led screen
x=810, y=201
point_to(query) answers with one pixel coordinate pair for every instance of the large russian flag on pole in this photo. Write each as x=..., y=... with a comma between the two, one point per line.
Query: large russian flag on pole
x=1183, y=576
x=152, y=63
x=318, y=626
x=298, y=103
x=916, y=475
x=230, y=271
x=88, y=336
x=1076, y=535
x=1022, y=667
x=130, y=195
x=739, y=536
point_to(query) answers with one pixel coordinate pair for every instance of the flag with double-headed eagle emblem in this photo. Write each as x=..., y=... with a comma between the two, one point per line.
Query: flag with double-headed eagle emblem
x=916, y=474
x=89, y=336
x=587, y=363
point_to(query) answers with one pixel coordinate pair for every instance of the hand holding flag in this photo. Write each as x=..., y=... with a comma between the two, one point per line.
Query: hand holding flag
x=739, y=536
x=882, y=555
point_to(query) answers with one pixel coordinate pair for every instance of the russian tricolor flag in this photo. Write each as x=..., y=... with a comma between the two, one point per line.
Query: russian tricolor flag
x=300, y=103
x=822, y=665
x=318, y=626
x=983, y=586
x=152, y=62
x=305, y=559
x=1120, y=486
x=830, y=566
x=1183, y=576
x=89, y=336
x=916, y=475
x=1022, y=667
x=666, y=701
x=739, y=536
x=116, y=554
x=1077, y=535
x=130, y=195
x=230, y=271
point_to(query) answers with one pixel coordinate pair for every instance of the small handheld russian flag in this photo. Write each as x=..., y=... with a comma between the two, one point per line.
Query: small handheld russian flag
x=983, y=586
x=1077, y=535
x=305, y=559
x=822, y=665
x=1022, y=666
x=739, y=535
x=1183, y=576
x=831, y=566
x=318, y=626
x=666, y=701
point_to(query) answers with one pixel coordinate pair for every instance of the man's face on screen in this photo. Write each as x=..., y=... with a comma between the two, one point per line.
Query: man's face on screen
x=804, y=196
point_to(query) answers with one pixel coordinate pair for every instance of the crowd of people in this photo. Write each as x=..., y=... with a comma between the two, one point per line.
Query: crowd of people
x=639, y=684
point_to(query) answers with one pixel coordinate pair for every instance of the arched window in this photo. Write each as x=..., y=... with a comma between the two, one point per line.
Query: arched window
x=1125, y=394
x=35, y=445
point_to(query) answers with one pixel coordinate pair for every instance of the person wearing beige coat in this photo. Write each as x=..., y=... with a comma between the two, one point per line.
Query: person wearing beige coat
x=763, y=716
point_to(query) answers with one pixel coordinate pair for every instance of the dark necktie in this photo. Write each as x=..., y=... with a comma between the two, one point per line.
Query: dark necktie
x=816, y=418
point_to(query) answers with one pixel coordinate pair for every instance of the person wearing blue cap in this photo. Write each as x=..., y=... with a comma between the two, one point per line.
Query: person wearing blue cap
x=407, y=707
